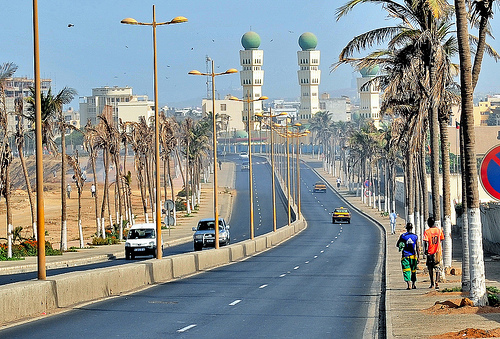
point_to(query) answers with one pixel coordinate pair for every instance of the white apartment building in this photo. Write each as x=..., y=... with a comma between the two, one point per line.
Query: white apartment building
x=340, y=108
x=119, y=100
x=229, y=113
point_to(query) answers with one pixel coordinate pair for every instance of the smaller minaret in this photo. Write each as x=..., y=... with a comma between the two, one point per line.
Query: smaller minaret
x=309, y=76
x=369, y=98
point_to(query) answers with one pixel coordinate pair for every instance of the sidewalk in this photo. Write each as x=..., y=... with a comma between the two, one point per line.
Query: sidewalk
x=179, y=234
x=405, y=309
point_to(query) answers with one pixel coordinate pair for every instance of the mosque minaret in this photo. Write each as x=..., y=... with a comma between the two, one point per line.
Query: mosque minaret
x=252, y=75
x=309, y=76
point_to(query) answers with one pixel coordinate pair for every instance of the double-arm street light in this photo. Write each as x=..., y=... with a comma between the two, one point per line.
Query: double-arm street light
x=270, y=116
x=248, y=100
x=216, y=208
x=153, y=24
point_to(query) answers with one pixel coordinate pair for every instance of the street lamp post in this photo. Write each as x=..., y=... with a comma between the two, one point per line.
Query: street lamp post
x=176, y=20
x=270, y=116
x=214, y=142
x=42, y=272
x=248, y=101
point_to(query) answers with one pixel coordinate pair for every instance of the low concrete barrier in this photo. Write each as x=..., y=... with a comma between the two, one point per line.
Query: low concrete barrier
x=75, y=287
x=32, y=298
x=210, y=259
x=26, y=299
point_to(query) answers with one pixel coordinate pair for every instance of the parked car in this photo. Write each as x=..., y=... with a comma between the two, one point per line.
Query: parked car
x=341, y=214
x=245, y=166
x=204, y=234
x=243, y=155
x=319, y=187
x=141, y=241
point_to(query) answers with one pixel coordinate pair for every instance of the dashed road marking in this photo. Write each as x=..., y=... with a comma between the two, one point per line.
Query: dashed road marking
x=296, y=267
x=237, y=301
x=263, y=286
x=284, y=274
x=184, y=329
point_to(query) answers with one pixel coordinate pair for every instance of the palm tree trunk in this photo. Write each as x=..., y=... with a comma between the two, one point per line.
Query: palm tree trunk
x=434, y=141
x=445, y=160
x=28, y=186
x=105, y=191
x=8, y=207
x=411, y=189
x=465, y=224
x=64, y=227
x=96, y=203
x=477, y=276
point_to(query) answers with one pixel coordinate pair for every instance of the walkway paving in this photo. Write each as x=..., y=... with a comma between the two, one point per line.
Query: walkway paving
x=405, y=310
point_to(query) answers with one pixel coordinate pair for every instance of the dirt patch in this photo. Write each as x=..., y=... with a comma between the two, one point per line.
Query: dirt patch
x=469, y=333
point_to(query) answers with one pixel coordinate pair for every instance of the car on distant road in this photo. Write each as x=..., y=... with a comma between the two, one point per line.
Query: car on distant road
x=141, y=241
x=204, y=233
x=245, y=166
x=243, y=155
x=319, y=187
x=341, y=214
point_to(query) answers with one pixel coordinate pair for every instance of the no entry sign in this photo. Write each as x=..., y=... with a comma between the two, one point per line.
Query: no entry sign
x=490, y=172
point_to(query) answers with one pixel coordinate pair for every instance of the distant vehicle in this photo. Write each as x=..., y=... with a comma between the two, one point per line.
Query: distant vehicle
x=319, y=187
x=141, y=241
x=204, y=234
x=243, y=155
x=341, y=214
x=245, y=166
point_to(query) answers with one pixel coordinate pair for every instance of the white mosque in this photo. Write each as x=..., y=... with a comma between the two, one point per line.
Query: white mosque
x=369, y=97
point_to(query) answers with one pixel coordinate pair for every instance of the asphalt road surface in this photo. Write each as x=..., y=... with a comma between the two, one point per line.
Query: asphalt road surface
x=323, y=283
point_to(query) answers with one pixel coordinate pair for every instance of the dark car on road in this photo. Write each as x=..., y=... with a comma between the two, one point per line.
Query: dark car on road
x=204, y=234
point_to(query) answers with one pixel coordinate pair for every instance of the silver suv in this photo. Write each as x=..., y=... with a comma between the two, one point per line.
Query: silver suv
x=204, y=234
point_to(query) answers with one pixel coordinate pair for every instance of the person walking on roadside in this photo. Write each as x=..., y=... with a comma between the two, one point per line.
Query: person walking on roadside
x=92, y=190
x=68, y=191
x=408, y=245
x=339, y=181
x=392, y=218
x=433, y=237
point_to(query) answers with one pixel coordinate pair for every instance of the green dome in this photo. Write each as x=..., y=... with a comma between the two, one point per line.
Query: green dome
x=308, y=41
x=250, y=40
x=369, y=71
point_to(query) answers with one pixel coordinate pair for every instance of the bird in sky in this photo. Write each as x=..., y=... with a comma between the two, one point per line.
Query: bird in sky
x=71, y=25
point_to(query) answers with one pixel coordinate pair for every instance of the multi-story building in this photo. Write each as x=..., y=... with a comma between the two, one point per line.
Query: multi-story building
x=228, y=112
x=369, y=95
x=120, y=101
x=340, y=108
x=485, y=108
x=252, y=75
x=20, y=88
x=309, y=76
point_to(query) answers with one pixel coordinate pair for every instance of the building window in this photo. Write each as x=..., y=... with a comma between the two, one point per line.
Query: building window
x=222, y=107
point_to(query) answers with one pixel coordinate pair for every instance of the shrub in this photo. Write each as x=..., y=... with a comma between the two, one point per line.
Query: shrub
x=26, y=249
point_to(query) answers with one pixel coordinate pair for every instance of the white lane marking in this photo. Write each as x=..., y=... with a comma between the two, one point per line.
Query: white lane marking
x=296, y=267
x=184, y=329
x=307, y=262
x=281, y=276
x=263, y=286
x=235, y=302
x=331, y=241
x=322, y=252
x=315, y=256
x=327, y=246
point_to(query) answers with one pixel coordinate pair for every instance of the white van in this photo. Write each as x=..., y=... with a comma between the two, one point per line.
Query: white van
x=141, y=241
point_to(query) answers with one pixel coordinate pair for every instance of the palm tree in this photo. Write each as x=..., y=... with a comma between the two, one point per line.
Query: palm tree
x=20, y=137
x=91, y=143
x=6, y=71
x=53, y=118
x=79, y=181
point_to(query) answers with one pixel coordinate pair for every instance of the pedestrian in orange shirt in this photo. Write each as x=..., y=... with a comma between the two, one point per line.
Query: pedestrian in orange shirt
x=432, y=249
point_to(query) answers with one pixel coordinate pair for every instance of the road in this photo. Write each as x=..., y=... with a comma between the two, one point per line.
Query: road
x=323, y=283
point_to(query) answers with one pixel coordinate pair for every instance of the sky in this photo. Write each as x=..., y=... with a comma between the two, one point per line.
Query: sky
x=99, y=51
